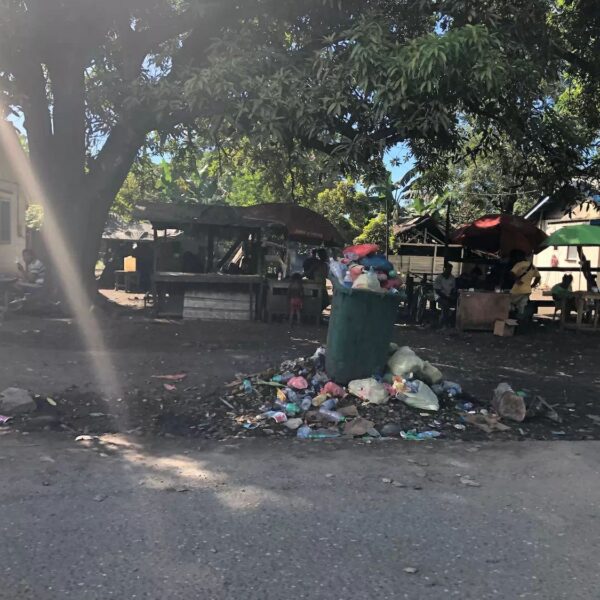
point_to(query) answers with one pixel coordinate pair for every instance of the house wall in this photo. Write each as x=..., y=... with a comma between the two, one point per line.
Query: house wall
x=567, y=257
x=12, y=205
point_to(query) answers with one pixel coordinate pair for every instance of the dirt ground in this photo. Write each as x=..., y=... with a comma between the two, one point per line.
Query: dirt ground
x=47, y=357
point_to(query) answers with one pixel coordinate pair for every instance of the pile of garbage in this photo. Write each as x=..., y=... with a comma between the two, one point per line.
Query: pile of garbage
x=412, y=401
x=365, y=268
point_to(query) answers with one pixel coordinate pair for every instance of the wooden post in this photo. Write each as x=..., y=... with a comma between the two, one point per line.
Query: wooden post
x=447, y=241
x=586, y=270
x=210, y=257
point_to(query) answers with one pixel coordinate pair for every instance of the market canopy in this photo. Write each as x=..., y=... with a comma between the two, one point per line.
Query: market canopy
x=301, y=224
x=500, y=234
x=575, y=235
x=165, y=215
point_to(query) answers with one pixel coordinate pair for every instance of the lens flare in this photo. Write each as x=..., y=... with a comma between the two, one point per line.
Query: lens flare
x=66, y=269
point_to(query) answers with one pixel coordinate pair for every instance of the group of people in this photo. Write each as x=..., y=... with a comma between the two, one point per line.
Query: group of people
x=522, y=278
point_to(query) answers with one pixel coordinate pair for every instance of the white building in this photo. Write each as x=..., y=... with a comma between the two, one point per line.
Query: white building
x=13, y=205
x=550, y=215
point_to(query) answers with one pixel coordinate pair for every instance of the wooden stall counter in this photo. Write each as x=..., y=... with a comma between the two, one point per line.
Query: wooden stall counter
x=481, y=309
x=207, y=296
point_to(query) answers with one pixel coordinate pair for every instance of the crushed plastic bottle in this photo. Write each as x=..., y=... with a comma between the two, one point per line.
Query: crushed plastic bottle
x=329, y=404
x=318, y=358
x=332, y=415
x=292, y=396
x=415, y=436
x=324, y=434
x=291, y=409
x=248, y=386
x=306, y=403
x=304, y=432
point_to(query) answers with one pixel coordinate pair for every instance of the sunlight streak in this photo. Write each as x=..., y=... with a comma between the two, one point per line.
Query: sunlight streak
x=62, y=260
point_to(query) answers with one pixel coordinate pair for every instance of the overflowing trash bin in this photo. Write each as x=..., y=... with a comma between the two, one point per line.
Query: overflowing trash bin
x=360, y=332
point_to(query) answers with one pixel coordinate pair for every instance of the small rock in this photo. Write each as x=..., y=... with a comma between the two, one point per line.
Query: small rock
x=348, y=411
x=391, y=430
x=469, y=482
x=100, y=498
x=329, y=475
x=398, y=484
x=16, y=401
x=293, y=424
x=386, y=480
x=411, y=570
x=358, y=427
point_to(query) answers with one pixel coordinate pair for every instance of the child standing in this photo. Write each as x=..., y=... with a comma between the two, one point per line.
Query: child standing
x=296, y=297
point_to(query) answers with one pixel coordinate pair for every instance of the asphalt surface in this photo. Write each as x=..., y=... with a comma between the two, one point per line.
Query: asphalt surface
x=258, y=519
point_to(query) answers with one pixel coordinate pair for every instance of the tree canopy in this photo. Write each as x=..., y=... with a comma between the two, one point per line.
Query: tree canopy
x=347, y=79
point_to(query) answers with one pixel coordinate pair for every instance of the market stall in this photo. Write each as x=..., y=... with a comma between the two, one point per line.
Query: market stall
x=219, y=263
x=213, y=268
x=302, y=225
x=500, y=236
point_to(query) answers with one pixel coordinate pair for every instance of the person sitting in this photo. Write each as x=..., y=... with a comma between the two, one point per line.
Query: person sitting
x=444, y=287
x=526, y=277
x=562, y=294
x=471, y=280
x=296, y=297
x=32, y=275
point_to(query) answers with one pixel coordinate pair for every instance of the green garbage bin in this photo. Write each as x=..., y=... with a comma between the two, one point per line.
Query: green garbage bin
x=360, y=331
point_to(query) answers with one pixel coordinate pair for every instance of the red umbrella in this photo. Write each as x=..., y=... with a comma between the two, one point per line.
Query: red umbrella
x=500, y=234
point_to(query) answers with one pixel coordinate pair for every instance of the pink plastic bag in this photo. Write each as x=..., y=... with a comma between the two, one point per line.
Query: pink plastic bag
x=298, y=383
x=334, y=390
x=360, y=251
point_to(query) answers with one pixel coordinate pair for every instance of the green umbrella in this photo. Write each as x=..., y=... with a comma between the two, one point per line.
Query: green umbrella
x=575, y=235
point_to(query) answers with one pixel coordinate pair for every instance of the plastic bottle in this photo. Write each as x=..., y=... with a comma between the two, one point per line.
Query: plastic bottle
x=304, y=432
x=291, y=409
x=247, y=386
x=348, y=280
x=373, y=281
x=329, y=404
x=331, y=415
x=306, y=403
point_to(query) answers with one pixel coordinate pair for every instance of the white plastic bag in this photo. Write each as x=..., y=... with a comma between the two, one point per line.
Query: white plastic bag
x=368, y=281
x=423, y=398
x=430, y=374
x=369, y=390
x=404, y=362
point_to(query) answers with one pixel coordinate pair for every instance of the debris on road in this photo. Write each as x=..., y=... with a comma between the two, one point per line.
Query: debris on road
x=176, y=377
x=16, y=401
x=301, y=398
x=469, y=482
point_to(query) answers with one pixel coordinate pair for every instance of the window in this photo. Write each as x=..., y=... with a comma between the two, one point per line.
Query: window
x=572, y=253
x=4, y=221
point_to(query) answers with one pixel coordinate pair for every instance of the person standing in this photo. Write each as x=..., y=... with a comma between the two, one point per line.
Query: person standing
x=296, y=298
x=310, y=264
x=526, y=277
x=444, y=287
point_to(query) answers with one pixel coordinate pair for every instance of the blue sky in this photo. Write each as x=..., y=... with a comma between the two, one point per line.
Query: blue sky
x=402, y=153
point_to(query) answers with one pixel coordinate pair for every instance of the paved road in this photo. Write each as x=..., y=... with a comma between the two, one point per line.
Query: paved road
x=126, y=518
